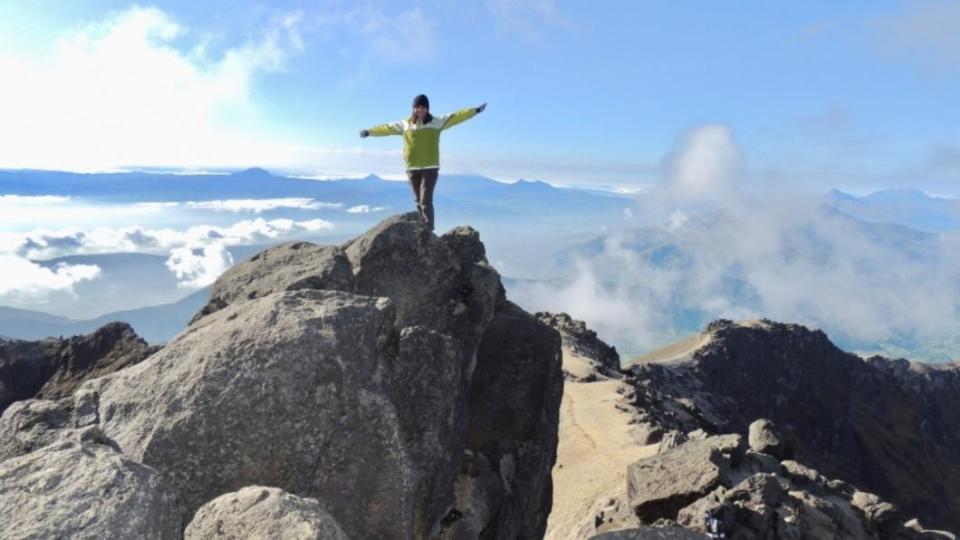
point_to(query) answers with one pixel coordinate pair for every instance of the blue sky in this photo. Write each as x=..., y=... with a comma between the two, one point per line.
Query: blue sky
x=856, y=95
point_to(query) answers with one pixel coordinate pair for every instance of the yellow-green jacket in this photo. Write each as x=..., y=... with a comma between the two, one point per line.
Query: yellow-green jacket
x=421, y=142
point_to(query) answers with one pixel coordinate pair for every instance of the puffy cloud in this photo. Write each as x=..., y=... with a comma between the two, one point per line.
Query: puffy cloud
x=704, y=164
x=717, y=251
x=365, y=209
x=43, y=244
x=197, y=267
x=22, y=278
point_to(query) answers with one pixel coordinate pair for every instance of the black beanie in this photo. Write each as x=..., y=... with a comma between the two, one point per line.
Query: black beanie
x=421, y=100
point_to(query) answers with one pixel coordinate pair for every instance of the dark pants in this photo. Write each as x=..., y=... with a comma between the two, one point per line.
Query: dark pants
x=422, y=182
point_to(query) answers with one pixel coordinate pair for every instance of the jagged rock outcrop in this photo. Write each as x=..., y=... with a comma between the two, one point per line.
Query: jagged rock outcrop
x=886, y=426
x=370, y=377
x=765, y=491
x=263, y=512
x=84, y=488
x=602, y=359
x=53, y=368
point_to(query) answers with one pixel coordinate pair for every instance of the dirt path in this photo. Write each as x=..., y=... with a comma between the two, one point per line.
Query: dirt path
x=594, y=450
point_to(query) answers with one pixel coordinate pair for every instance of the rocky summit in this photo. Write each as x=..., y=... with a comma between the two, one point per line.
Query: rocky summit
x=384, y=388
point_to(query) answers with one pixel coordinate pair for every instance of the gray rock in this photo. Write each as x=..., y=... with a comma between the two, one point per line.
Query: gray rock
x=692, y=516
x=671, y=440
x=34, y=423
x=514, y=417
x=764, y=439
x=287, y=267
x=802, y=476
x=479, y=494
x=878, y=515
x=431, y=281
x=660, y=486
x=761, y=463
x=276, y=391
x=84, y=489
x=650, y=533
x=263, y=512
x=645, y=433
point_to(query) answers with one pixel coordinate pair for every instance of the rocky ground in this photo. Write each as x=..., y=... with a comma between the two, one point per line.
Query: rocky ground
x=647, y=451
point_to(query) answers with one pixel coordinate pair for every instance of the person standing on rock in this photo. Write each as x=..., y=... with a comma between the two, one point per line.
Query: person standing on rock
x=421, y=148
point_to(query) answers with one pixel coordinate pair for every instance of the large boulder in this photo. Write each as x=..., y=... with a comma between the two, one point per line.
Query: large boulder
x=276, y=391
x=661, y=485
x=263, y=512
x=764, y=439
x=84, y=488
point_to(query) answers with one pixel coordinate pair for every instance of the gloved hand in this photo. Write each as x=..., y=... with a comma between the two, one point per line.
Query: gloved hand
x=364, y=134
x=481, y=108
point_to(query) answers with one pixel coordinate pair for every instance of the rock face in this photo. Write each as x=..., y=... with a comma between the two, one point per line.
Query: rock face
x=54, y=368
x=887, y=426
x=376, y=377
x=510, y=455
x=263, y=512
x=84, y=488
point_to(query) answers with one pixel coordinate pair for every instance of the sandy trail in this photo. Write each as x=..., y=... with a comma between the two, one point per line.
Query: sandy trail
x=593, y=453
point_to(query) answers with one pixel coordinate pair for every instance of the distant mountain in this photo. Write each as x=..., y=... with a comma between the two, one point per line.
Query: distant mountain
x=259, y=183
x=156, y=324
x=907, y=207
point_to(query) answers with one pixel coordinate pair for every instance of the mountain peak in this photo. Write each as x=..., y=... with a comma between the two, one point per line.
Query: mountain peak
x=253, y=172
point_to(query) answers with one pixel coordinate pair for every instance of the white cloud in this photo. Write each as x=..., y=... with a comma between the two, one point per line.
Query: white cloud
x=261, y=205
x=44, y=244
x=704, y=164
x=197, y=267
x=85, y=104
x=365, y=209
x=24, y=279
x=724, y=252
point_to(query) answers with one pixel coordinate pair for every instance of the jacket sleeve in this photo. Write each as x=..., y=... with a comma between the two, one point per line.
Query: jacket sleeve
x=462, y=115
x=393, y=128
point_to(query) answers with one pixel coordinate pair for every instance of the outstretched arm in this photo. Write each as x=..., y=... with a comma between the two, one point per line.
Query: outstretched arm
x=462, y=116
x=393, y=128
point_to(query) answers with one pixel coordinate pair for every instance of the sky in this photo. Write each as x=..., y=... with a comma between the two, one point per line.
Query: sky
x=856, y=95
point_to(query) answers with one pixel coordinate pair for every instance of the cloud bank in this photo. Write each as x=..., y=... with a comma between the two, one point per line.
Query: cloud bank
x=872, y=287
x=197, y=255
